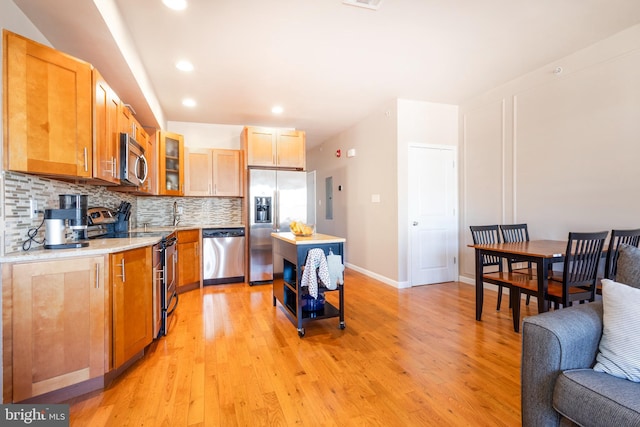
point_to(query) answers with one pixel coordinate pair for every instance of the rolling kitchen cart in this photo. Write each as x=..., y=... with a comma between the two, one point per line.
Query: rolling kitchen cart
x=289, y=257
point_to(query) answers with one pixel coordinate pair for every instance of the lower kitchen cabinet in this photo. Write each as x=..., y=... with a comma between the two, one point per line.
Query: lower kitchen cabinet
x=54, y=328
x=189, y=260
x=131, y=287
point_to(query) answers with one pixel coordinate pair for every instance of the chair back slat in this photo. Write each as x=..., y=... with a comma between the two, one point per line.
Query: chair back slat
x=487, y=234
x=514, y=233
x=582, y=257
x=619, y=237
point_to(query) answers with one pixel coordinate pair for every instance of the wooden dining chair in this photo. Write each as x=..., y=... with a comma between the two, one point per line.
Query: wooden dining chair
x=517, y=233
x=618, y=237
x=485, y=234
x=580, y=272
x=578, y=279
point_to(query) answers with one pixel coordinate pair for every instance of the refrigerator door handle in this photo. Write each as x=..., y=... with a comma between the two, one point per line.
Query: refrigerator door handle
x=276, y=211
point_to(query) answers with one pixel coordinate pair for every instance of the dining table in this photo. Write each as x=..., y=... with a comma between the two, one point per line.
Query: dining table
x=541, y=253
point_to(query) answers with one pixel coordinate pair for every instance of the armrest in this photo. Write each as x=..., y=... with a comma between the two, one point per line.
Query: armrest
x=551, y=343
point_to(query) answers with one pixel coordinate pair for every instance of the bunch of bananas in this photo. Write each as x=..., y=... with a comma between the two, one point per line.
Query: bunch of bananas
x=300, y=228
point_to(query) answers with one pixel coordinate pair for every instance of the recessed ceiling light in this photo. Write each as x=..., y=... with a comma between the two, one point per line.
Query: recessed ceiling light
x=188, y=102
x=175, y=4
x=184, y=65
x=277, y=109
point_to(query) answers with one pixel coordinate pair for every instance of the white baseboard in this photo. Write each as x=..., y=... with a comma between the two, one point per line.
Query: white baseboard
x=383, y=279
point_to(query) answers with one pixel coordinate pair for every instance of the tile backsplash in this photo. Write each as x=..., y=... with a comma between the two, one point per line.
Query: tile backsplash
x=19, y=189
x=158, y=211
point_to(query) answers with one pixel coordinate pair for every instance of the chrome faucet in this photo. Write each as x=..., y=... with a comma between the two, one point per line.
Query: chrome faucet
x=176, y=214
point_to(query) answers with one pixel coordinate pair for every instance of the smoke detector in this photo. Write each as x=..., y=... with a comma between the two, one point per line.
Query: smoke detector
x=368, y=4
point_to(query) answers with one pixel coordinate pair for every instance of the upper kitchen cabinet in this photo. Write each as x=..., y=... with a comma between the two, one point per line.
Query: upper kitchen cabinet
x=48, y=108
x=279, y=148
x=213, y=172
x=170, y=164
x=106, y=148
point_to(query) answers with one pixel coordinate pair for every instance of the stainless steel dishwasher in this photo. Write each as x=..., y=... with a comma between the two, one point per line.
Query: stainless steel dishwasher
x=222, y=255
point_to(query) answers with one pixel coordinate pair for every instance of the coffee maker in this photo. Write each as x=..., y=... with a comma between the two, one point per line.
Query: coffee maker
x=67, y=227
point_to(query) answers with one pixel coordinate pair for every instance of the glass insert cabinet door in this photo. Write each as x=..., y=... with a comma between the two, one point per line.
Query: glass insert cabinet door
x=171, y=164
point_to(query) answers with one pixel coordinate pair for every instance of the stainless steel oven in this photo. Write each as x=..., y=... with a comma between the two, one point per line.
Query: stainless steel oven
x=158, y=283
x=169, y=298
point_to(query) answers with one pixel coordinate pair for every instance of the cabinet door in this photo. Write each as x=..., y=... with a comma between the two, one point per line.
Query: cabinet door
x=171, y=164
x=227, y=173
x=189, y=259
x=198, y=175
x=48, y=110
x=260, y=146
x=132, y=303
x=291, y=149
x=58, y=324
x=124, y=118
x=106, y=150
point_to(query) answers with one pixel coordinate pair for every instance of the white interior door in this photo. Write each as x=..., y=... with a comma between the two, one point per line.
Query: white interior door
x=433, y=227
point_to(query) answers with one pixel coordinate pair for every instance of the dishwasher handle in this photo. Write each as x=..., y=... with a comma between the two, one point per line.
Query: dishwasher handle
x=222, y=232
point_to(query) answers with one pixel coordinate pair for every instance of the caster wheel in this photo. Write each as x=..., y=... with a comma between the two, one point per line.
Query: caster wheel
x=342, y=325
x=301, y=332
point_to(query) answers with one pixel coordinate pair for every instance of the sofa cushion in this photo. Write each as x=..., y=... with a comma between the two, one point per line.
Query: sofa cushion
x=628, y=267
x=619, y=353
x=591, y=398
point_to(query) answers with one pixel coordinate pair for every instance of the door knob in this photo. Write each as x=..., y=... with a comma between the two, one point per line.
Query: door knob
x=415, y=223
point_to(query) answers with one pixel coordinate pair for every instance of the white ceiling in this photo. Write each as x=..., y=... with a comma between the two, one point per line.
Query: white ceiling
x=328, y=64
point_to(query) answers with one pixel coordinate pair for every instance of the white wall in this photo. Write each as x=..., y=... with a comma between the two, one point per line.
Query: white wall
x=206, y=135
x=558, y=151
x=370, y=228
x=377, y=233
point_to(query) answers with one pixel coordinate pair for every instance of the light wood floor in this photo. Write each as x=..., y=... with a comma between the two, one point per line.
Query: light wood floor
x=413, y=357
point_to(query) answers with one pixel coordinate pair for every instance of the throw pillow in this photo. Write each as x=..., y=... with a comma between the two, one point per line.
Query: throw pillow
x=619, y=350
x=628, y=267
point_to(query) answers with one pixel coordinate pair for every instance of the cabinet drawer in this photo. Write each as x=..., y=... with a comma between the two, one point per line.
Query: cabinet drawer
x=188, y=236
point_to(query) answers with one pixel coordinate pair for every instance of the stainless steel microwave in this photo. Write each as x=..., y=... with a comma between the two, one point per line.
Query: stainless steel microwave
x=133, y=164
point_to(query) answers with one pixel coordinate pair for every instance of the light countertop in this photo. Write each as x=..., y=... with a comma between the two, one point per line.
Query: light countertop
x=96, y=247
x=314, y=239
x=104, y=246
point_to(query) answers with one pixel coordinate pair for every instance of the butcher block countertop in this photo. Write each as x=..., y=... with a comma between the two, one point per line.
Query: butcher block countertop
x=314, y=239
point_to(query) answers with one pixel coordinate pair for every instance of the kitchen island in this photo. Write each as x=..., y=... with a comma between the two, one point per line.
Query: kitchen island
x=289, y=259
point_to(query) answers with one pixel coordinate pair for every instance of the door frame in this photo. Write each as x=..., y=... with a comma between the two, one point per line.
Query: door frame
x=456, y=203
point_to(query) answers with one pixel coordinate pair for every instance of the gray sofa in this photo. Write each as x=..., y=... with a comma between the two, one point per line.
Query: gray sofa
x=559, y=387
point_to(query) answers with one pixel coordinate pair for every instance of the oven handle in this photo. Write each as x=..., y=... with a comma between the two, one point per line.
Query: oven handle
x=174, y=299
x=142, y=159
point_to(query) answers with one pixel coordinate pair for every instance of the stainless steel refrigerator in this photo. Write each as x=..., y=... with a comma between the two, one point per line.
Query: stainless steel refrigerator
x=275, y=199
